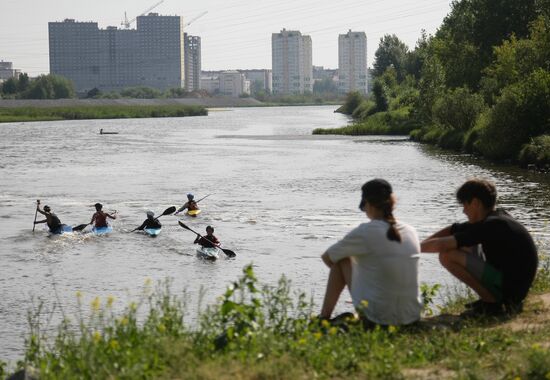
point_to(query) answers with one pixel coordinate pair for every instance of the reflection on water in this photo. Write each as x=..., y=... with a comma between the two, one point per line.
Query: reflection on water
x=279, y=197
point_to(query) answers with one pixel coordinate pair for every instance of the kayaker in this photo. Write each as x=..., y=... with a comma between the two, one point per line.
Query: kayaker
x=208, y=241
x=150, y=222
x=99, y=219
x=53, y=222
x=190, y=205
x=378, y=262
x=492, y=253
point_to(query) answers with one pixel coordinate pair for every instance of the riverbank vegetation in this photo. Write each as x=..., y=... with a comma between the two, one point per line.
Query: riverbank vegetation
x=260, y=331
x=43, y=87
x=481, y=84
x=20, y=114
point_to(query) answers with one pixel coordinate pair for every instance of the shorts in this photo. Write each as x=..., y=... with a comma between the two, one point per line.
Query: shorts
x=489, y=276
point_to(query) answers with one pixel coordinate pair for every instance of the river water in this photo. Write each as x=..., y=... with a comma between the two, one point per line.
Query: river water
x=280, y=196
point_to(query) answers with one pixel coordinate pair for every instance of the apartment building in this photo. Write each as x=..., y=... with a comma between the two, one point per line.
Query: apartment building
x=151, y=55
x=291, y=56
x=7, y=71
x=352, y=62
x=192, y=47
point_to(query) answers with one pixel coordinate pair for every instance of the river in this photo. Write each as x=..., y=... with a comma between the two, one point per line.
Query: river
x=279, y=197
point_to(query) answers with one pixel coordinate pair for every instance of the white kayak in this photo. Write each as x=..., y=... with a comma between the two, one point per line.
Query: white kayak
x=153, y=232
x=208, y=253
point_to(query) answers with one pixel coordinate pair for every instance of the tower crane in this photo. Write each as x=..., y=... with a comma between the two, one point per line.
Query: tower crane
x=127, y=23
x=196, y=18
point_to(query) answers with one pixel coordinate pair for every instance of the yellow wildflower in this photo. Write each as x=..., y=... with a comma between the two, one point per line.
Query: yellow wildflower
x=302, y=341
x=114, y=344
x=161, y=328
x=148, y=281
x=123, y=321
x=96, y=336
x=325, y=323
x=133, y=306
x=365, y=303
x=78, y=295
x=96, y=304
x=332, y=331
x=317, y=335
x=110, y=301
x=392, y=329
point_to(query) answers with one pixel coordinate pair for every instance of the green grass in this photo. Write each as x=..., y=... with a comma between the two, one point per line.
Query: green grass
x=266, y=332
x=20, y=114
x=395, y=122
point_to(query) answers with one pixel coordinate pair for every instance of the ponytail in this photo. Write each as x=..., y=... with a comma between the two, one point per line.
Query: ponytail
x=392, y=233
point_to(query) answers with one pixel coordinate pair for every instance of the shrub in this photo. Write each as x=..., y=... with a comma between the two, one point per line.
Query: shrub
x=536, y=152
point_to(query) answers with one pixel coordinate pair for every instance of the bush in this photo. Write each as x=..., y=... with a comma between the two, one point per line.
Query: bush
x=458, y=109
x=353, y=100
x=536, y=152
x=520, y=113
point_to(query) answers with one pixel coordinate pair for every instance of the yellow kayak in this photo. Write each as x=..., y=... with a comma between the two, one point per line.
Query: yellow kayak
x=193, y=212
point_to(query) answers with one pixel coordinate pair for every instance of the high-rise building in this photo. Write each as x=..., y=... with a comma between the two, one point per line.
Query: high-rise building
x=291, y=56
x=192, y=62
x=352, y=62
x=7, y=71
x=151, y=55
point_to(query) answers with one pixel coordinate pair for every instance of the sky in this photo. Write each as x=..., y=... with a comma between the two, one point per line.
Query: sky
x=236, y=34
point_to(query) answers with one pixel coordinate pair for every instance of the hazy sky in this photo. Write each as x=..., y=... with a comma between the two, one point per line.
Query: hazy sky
x=235, y=33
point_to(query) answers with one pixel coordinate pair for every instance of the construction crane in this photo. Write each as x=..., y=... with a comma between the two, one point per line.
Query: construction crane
x=196, y=18
x=127, y=23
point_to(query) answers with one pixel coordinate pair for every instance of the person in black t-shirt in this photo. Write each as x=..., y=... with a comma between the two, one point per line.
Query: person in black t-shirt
x=150, y=222
x=492, y=253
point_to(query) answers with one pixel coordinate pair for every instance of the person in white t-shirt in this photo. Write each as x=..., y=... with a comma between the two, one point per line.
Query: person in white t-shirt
x=378, y=261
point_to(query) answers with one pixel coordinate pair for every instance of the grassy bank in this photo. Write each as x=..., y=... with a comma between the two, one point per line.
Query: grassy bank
x=395, y=122
x=263, y=332
x=20, y=114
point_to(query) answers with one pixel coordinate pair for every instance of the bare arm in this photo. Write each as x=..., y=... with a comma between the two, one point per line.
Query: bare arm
x=441, y=233
x=438, y=244
x=41, y=221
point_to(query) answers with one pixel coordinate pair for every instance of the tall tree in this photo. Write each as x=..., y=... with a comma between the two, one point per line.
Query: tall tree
x=391, y=52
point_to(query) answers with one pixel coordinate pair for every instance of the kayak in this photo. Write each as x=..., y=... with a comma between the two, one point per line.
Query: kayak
x=102, y=230
x=153, y=232
x=208, y=253
x=64, y=229
x=193, y=212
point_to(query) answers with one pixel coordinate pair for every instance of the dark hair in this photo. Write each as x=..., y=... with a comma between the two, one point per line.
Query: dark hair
x=210, y=227
x=98, y=206
x=47, y=208
x=478, y=188
x=378, y=192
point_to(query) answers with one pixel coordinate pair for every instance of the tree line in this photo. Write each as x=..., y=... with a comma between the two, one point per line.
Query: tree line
x=480, y=84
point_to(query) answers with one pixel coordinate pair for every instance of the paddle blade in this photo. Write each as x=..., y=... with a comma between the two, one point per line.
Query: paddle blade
x=228, y=252
x=80, y=227
x=169, y=210
x=187, y=228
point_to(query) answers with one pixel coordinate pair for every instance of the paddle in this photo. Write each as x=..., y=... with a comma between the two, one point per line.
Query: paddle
x=228, y=252
x=168, y=211
x=35, y=215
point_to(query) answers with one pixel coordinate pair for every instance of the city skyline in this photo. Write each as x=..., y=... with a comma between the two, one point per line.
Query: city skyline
x=235, y=35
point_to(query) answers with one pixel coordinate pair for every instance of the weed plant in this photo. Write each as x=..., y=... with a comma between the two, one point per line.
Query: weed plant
x=257, y=331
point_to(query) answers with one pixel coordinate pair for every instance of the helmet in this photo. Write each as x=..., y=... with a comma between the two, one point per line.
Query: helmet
x=190, y=196
x=150, y=214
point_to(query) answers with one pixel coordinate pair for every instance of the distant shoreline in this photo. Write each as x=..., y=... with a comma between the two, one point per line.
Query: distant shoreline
x=204, y=102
